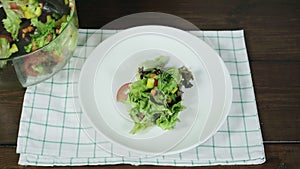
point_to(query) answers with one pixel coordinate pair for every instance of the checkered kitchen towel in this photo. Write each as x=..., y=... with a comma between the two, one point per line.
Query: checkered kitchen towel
x=50, y=133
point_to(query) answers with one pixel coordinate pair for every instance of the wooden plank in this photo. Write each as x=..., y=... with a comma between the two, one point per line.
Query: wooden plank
x=278, y=156
x=11, y=100
x=9, y=127
x=278, y=96
x=271, y=28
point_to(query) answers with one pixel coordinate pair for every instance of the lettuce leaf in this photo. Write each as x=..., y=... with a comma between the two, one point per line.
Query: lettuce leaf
x=12, y=23
x=6, y=50
x=158, y=62
x=43, y=30
x=160, y=104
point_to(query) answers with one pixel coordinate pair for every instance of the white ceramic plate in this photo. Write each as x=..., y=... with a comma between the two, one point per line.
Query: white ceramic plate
x=216, y=120
x=114, y=62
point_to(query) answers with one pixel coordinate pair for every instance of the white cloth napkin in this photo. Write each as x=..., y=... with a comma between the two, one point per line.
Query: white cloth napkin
x=51, y=134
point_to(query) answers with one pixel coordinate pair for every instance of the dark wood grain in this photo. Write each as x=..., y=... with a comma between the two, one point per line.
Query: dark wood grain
x=272, y=27
x=279, y=157
x=272, y=38
x=277, y=87
x=11, y=100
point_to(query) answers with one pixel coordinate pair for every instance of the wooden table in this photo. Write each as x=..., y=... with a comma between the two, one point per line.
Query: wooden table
x=273, y=42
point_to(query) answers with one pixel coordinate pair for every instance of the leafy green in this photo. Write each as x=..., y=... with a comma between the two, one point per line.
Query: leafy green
x=160, y=104
x=28, y=48
x=44, y=32
x=19, y=13
x=6, y=50
x=27, y=8
x=12, y=23
x=158, y=62
x=174, y=72
x=63, y=25
x=187, y=76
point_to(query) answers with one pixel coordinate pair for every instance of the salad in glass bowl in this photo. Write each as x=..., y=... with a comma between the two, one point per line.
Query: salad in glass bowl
x=37, y=38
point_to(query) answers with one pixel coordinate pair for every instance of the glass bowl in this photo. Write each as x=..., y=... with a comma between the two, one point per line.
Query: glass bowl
x=41, y=64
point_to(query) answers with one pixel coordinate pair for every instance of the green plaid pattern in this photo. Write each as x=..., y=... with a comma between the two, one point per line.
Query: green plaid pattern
x=51, y=131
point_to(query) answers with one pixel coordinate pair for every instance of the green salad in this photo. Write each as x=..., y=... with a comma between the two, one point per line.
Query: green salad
x=28, y=25
x=155, y=98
